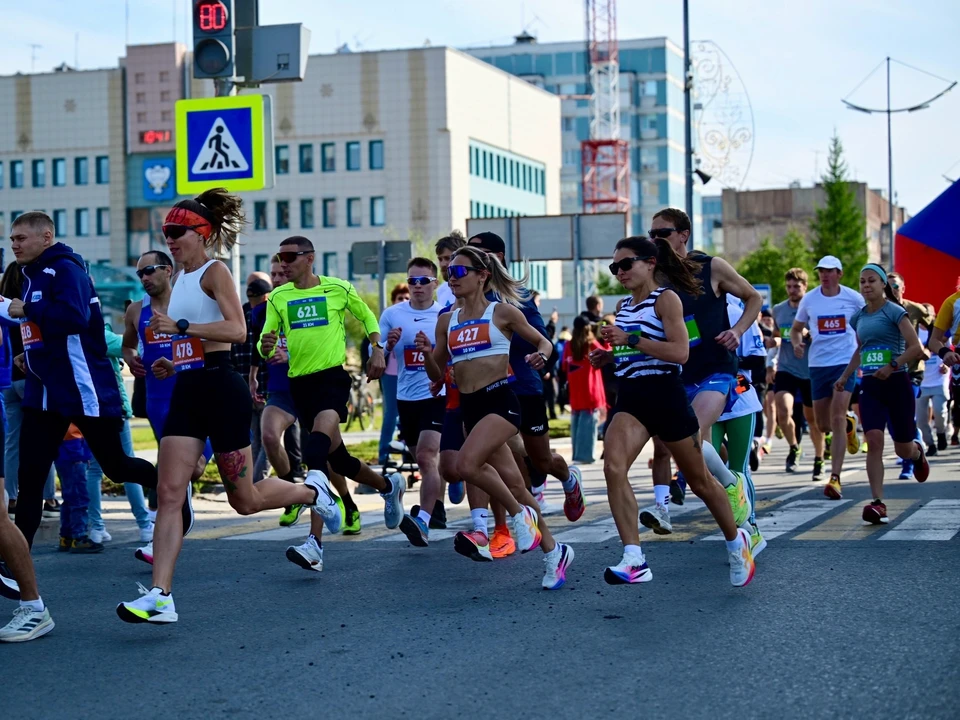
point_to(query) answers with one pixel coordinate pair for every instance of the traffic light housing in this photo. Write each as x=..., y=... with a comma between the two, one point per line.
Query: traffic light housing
x=213, y=39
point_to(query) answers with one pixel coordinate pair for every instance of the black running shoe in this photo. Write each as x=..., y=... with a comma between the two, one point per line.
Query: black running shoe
x=817, y=469
x=792, y=460
x=438, y=519
x=941, y=441
x=678, y=489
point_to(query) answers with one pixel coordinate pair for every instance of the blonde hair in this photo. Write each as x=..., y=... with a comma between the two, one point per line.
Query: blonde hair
x=507, y=288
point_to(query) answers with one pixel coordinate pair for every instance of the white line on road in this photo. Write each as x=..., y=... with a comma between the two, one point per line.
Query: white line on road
x=937, y=520
x=791, y=516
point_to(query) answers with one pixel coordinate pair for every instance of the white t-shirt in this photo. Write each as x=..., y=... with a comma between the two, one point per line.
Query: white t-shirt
x=445, y=295
x=932, y=377
x=833, y=338
x=412, y=380
x=747, y=403
x=751, y=342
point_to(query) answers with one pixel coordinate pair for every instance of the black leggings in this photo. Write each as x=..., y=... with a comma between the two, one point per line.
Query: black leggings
x=40, y=438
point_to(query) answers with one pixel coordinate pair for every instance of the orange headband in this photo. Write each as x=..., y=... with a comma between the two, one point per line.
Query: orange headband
x=188, y=218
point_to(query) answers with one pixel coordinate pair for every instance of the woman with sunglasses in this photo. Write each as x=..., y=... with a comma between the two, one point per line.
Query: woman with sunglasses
x=650, y=344
x=476, y=338
x=210, y=399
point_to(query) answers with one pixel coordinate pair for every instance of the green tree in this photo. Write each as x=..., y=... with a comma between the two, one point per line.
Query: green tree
x=769, y=263
x=839, y=227
x=608, y=285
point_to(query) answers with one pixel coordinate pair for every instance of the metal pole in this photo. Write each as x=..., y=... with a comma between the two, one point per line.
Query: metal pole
x=893, y=228
x=688, y=119
x=381, y=274
x=576, y=266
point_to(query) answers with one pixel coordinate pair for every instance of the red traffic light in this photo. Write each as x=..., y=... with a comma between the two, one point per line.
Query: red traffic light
x=211, y=16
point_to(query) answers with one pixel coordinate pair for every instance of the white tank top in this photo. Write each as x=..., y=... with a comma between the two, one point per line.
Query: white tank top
x=475, y=338
x=189, y=302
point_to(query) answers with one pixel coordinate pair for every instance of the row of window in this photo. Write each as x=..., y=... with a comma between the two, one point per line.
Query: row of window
x=328, y=209
x=140, y=78
x=483, y=210
x=515, y=173
x=58, y=174
x=81, y=221
x=328, y=157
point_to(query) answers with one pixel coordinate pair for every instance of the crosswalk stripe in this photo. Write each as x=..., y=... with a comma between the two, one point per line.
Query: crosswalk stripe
x=849, y=524
x=604, y=530
x=937, y=520
x=791, y=516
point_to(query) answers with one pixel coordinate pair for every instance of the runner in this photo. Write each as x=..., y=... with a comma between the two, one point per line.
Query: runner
x=528, y=386
x=210, y=398
x=476, y=337
x=309, y=311
x=826, y=311
x=793, y=376
x=651, y=343
x=421, y=414
x=446, y=247
x=19, y=582
x=935, y=390
x=886, y=345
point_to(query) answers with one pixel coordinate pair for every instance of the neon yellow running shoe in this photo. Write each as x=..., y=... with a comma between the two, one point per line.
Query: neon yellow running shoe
x=853, y=439
x=291, y=515
x=351, y=523
x=737, y=496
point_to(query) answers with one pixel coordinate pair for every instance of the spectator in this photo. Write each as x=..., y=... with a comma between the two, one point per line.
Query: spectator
x=255, y=372
x=388, y=386
x=594, y=311
x=586, y=390
x=563, y=395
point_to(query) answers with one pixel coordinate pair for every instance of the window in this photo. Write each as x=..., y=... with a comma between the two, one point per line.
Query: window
x=39, y=173
x=103, y=170
x=166, y=116
x=1, y=176
x=648, y=87
x=139, y=78
x=59, y=178
x=283, y=214
x=331, y=264
x=649, y=159
x=103, y=221
x=329, y=212
x=164, y=76
x=81, y=171
x=261, y=263
x=82, y=217
x=543, y=182
x=471, y=160
x=306, y=158
x=16, y=173
x=378, y=211
x=484, y=163
x=260, y=215
x=164, y=96
x=376, y=154
x=353, y=212
x=283, y=160
x=306, y=213
x=141, y=117
x=353, y=156
x=141, y=98
x=328, y=157
x=14, y=214
x=60, y=223
x=569, y=124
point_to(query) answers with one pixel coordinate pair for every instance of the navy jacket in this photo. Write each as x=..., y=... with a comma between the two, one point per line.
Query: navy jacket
x=528, y=381
x=69, y=372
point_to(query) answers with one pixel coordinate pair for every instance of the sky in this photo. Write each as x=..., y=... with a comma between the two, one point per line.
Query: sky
x=796, y=61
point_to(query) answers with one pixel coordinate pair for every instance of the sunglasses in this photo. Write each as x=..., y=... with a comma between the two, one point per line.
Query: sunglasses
x=662, y=233
x=461, y=271
x=627, y=263
x=291, y=256
x=150, y=270
x=420, y=280
x=895, y=286
x=172, y=231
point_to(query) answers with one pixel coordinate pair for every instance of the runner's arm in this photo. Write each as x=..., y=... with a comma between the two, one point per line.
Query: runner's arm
x=677, y=346
x=271, y=324
x=435, y=361
x=730, y=281
x=512, y=318
x=217, y=283
x=851, y=367
x=913, y=350
x=131, y=339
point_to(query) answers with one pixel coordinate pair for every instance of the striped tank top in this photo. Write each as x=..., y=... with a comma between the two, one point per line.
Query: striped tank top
x=642, y=319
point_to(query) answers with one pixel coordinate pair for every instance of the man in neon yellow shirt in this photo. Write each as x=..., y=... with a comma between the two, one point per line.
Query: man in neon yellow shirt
x=309, y=311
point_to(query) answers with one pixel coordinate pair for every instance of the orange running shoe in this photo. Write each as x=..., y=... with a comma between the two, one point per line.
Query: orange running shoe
x=502, y=544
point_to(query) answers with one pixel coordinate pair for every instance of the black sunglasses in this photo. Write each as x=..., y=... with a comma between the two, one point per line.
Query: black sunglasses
x=290, y=256
x=626, y=263
x=420, y=280
x=150, y=270
x=172, y=231
x=461, y=271
x=662, y=233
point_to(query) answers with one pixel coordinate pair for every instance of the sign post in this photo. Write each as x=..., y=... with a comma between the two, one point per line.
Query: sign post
x=766, y=292
x=381, y=258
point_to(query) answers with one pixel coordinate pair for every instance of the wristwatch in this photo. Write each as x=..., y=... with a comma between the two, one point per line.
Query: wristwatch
x=542, y=355
x=633, y=339
x=377, y=344
x=182, y=325
x=894, y=364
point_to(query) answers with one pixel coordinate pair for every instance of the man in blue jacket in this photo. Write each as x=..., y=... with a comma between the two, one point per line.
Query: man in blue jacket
x=69, y=378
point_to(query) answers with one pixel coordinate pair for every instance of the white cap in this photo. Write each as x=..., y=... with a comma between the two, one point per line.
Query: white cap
x=829, y=262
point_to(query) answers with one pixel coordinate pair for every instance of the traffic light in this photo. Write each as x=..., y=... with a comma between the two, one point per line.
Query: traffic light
x=213, y=38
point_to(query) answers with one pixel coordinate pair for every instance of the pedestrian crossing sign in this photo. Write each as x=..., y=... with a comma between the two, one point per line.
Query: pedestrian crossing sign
x=220, y=143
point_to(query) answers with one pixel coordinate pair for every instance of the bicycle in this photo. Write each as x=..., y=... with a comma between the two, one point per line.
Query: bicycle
x=360, y=404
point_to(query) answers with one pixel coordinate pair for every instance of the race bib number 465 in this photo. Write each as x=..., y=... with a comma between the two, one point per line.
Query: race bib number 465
x=832, y=324
x=307, y=313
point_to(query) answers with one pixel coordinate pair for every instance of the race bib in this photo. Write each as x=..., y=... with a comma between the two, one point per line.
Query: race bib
x=693, y=330
x=785, y=332
x=470, y=337
x=832, y=324
x=872, y=359
x=413, y=359
x=625, y=353
x=30, y=334
x=187, y=353
x=307, y=313
x=152, y=338
x=282, y=342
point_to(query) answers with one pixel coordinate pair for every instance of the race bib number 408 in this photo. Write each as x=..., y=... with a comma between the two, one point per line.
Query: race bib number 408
x=832, y=324
x=307, y=313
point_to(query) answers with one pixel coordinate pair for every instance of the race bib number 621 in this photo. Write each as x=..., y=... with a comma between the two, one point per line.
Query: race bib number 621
x=307, y=313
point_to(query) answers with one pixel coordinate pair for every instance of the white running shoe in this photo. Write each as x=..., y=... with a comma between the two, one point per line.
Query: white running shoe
x=393, y=501
x=657, y=518
x=545, y=507
x=27, y=624
x=742, y=566
x=526, y=533
x=152, y=607
x=632, y=569
x=100, y=536
x=326, y=505
x=556, y=564
x=309, y=556
x=146, y=534
x=145, y=553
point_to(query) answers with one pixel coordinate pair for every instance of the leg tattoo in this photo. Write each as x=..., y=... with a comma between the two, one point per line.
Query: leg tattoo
x=232, y=467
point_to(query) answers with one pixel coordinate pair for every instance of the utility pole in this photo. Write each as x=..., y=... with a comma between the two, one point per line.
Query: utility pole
x=33, y=55
x=688, y=119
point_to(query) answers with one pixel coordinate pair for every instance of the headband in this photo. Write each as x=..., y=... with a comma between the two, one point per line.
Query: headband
x=877, y=269
x=188, y=218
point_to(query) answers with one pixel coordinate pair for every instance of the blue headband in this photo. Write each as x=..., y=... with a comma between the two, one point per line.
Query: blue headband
x=877, y=269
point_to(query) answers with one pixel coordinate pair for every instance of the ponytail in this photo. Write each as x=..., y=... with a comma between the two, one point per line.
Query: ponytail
x=507, y=288
x=223, y=212
x=679, y=272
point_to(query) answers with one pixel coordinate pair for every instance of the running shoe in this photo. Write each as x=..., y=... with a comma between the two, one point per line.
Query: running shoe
x=416, y=531
x=145, y=553
x=573, y=504
x=941, y=441
x=326, y=503
x=291, y=515
x=525, y=529
x=954, y=441
x=853, y=439
x=65, y=544
x=187, y=511
x=742, y=566
x=501, y=543
x=779, y=433
x=932, y=450
x=754, y=455
x=27, y=624
x=817, y=469
x=100, y=536
x=545, y=507
x=474, y=545
x=832, y=489
x=309, y=556
x=678, y=489
x=152, y=607
x=921, y=468
x=766, y=447
x=85, y=546
x=906, y=470
x=737, y=495
x=9, y=587
x=657, y=518
x=438, y=518
x=555, y=565
x=456, y=492
x=875, y=512
x=827, y=444
x=758, y=542
x=51, y=508
x=792, y=457
x=393, y=501
x=351, y=523
x=146, y=534
x=632, y=569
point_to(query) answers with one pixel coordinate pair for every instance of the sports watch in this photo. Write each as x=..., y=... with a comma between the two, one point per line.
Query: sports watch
x=633, y=339
x=182, y=325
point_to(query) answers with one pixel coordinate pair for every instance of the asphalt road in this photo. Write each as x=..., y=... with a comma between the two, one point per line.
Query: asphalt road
x=840, y=621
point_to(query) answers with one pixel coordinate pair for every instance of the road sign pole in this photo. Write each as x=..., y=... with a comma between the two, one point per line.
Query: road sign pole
x=576, y=264
x=381, y=275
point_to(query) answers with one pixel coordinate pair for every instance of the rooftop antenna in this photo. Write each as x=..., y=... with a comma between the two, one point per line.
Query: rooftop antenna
x=33, y=55
x=76, y=50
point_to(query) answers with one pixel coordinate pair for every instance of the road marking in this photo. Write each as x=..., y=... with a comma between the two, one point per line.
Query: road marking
x=849, y=524
x=937, y=520
x=604, y=530
x=791, y=516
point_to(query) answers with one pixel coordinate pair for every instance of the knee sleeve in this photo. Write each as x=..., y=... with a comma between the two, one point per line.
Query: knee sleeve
x=344, y=463
x=315, y=451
